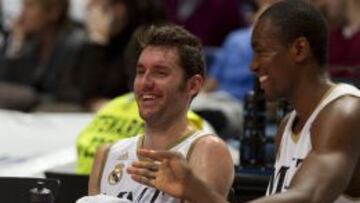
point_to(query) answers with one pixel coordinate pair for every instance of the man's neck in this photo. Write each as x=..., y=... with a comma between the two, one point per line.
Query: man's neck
x=161, y=137
x=308, y=96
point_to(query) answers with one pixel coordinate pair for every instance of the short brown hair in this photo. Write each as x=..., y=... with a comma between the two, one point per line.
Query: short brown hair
x=187, y=45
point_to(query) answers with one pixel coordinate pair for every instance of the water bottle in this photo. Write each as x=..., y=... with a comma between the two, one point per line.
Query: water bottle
x=41, y=194
x=252, y=147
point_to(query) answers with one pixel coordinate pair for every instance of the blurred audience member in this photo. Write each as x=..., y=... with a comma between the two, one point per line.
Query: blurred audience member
x=2, y=30
x=108, y=61
x=344, y=53
x=332, y=10
x=39, y=60
x=211, y=20
x=229, y=80
x=344, y=39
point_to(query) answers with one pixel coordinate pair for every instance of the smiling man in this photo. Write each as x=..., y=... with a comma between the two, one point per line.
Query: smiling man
x=169, y=74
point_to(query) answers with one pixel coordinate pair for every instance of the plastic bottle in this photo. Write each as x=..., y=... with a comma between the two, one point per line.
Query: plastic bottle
x=41, y=194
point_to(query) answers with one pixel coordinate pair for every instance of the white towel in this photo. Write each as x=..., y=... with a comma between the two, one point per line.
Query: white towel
x=101, y=199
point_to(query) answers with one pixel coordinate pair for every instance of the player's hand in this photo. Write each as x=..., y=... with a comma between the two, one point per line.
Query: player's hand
x=164, y=170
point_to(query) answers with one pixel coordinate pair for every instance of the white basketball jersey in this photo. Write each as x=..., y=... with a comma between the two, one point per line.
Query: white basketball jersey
x=115, y=181
x=292, y=152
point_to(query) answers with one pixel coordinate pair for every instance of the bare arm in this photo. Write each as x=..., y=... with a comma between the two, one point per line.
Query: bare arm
x=201, y=192
x=211, y=162
x=96, y=172
x=327, y=170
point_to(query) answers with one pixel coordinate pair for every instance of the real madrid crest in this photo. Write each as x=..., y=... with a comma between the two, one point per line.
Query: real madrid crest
x=116, y=174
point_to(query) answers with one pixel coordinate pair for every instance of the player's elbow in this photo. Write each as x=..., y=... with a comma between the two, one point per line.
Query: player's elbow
x=311, y=196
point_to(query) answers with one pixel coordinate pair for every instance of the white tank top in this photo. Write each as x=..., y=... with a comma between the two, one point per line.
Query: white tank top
x=115, y=181
x=292, y=152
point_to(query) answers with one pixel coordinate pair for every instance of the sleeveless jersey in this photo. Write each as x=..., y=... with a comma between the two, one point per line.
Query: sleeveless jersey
x=292, y=152
x=115, y=181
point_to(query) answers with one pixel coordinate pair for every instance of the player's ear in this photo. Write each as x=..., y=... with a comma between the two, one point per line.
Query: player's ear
x=195, y=84
x=300, y=49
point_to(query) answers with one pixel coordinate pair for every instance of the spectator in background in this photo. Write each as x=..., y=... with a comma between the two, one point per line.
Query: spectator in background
x=38, y=65
x=333, y=11
x=211, y=20
x=343, y=19
x=107, y=63
x=344, y=44
x=2, y=30
x=229, y=79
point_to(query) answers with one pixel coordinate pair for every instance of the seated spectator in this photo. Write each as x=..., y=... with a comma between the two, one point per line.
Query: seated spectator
x=333, y=11
x=108, y=61
x=229, y=80
x=3, y=33
x=117, y=120
x=344, y=45
x=38, y=65
x=344, y=39
x=210, y=20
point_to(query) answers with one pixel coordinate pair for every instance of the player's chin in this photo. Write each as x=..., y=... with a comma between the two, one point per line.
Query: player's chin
x=147, y=114
x=271, y=94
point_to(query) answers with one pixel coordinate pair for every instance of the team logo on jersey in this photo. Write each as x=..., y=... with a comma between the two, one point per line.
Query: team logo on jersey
x=116, y=174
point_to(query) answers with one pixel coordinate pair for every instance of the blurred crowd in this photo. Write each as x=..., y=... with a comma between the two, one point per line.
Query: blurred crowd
x=53, y=61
